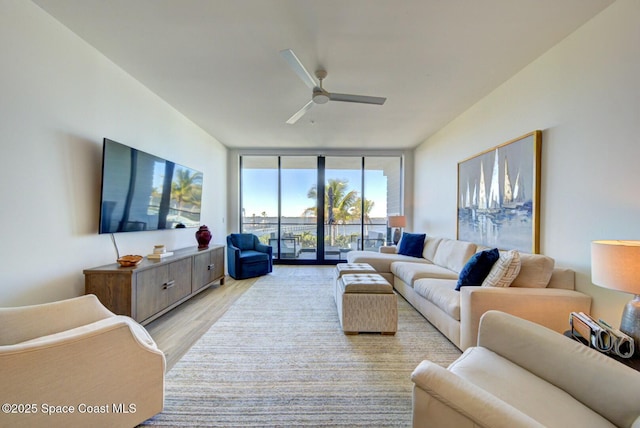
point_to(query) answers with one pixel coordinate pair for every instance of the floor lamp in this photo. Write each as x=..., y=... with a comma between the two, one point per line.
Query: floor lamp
x=616, y=265
x=397, y=221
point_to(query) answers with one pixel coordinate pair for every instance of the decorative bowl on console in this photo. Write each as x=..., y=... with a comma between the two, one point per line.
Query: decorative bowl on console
x=129, y=260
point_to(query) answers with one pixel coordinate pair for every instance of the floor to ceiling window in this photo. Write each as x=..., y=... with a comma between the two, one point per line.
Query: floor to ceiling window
x=280, y=197
x=382, y=198
x=259, y=196
x=298, y=213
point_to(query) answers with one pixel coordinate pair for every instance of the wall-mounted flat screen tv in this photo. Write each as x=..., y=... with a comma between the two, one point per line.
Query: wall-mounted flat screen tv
x=141, y=191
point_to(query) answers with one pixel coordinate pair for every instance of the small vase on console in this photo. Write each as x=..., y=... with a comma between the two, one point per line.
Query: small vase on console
x=203, y=236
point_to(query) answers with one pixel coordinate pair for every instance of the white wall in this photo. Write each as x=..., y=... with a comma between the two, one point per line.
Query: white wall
x=584, y=94
x=58, y=98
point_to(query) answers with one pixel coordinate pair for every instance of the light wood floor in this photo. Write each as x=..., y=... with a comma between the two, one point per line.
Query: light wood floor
x=177, y=331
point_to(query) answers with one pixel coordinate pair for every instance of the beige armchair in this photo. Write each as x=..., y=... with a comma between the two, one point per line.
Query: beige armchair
x=522, y=374
x=75, y=363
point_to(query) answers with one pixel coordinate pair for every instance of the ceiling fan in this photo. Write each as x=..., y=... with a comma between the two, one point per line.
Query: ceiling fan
x=319, y=94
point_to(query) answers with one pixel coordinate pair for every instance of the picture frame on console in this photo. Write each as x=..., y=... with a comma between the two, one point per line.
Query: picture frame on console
x=499, y=195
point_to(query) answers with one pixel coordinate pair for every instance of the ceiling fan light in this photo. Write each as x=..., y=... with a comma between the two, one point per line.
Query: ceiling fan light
x=320, y=98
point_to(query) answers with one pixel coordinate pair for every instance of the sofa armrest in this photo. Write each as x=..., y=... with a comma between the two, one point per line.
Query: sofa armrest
x=27, y=322
x=104, y=363
x=264, y=249
x=596, y=380
x=545, y=306
x=440, y=398
x=388, y=249
x=138, y=332
x=233, y=252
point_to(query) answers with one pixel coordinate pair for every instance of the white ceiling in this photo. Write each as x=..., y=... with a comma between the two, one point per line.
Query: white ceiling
x=218, y=61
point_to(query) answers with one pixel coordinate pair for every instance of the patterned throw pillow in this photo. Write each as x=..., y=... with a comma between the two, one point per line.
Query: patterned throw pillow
x=504, y=271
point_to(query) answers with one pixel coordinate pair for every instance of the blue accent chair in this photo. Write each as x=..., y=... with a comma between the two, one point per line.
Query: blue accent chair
x=247, y=257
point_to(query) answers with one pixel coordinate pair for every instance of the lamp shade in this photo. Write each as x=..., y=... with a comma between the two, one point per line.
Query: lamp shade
x=616, y=265
x=397, y=221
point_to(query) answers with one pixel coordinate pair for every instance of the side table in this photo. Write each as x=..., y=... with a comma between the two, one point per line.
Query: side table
x=633, y=362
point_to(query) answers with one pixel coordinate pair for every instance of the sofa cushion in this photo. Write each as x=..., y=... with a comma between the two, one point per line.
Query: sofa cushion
x=453, y=254
x=244, y=241
x=412, y=244
x=541, y=400
x=381, y=262
x=430, y=247
x=477, y=268
x=408, y=272
x=504, y=270
x=535, y=271
x=562, y=278
x=253, y=256
x=440, y=292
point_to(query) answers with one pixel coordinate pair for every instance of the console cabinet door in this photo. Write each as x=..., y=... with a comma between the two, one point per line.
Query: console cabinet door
x=217, y=259
x=162, y=286
x=180, y=274
x=152, y=296
x=208, y=267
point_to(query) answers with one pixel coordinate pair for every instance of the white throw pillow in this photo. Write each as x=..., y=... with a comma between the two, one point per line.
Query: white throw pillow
x=504, y=271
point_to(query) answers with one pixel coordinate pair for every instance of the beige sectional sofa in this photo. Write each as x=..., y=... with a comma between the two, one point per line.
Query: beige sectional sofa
x=541, y=292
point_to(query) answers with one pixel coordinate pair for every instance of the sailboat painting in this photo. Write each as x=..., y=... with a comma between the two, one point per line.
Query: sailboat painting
x=499, y=195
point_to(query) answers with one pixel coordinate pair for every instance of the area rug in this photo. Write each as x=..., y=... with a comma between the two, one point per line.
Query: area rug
x=278, y=357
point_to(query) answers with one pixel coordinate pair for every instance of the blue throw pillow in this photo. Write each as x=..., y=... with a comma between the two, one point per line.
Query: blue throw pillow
x=412, y=244
x=477, y=268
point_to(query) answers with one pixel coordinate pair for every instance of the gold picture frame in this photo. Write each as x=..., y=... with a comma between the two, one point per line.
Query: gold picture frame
x=499, y=195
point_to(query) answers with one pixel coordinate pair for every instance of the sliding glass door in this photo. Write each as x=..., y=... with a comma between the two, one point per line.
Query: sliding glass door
x=281, y=196
x=382, y=198
x=343, y=220
x=259, y=196
x=298, y=213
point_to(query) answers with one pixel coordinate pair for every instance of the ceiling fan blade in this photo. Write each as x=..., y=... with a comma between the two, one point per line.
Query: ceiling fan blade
x=293, y=119
x=364, y=99
x=298, y=68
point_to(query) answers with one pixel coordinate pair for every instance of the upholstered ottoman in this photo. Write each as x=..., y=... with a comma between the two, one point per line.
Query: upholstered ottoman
x=346, y=268
x=366, y=304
